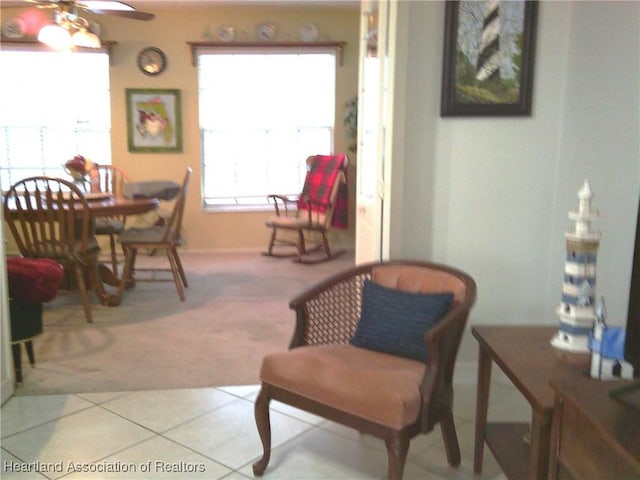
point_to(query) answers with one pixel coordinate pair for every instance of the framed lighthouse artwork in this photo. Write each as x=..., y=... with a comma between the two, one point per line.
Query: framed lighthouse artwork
x=154, y=121
x=488, y=57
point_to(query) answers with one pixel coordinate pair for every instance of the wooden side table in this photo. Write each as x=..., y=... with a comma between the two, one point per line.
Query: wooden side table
x=594, y=436
x=526, y=357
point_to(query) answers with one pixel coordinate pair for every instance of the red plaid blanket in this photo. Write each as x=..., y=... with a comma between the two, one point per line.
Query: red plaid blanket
x=318, y=184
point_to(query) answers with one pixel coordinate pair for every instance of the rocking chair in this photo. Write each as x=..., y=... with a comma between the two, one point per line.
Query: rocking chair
x=321, y=205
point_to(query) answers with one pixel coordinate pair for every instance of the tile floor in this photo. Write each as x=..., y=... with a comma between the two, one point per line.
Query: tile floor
x=210, y=433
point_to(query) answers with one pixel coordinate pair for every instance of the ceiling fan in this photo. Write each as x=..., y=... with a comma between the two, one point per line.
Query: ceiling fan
x=69, y=29
x=104, y=7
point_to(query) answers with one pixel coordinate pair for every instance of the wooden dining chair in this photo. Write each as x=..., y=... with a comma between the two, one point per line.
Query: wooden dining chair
x=49, y=218
x=374, y=348
x=167, y=238
x=110, y=179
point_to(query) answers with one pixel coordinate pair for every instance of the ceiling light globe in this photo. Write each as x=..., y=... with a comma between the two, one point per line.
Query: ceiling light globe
x=55, y=37
x=82, y=38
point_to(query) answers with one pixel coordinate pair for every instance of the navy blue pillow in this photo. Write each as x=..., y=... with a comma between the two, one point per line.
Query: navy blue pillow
x=393, y=321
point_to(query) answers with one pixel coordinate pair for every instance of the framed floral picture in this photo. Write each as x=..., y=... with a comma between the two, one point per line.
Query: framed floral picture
x=154, y=120
x=488, y=57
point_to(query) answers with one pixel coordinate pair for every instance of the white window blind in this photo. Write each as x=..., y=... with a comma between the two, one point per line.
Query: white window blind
x=261, y=115
x=54, y=105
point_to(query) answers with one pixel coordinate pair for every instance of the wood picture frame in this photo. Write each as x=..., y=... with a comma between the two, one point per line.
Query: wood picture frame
x=154, y=123
x=488, y=60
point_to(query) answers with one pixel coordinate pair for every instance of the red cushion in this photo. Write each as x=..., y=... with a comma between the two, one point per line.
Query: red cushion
x=34, y=279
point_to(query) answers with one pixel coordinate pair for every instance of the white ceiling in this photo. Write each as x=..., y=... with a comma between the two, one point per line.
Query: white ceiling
x=332, y=3
x=141, y=3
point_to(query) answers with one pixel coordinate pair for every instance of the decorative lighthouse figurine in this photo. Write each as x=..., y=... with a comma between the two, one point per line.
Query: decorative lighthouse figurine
x=577, y=310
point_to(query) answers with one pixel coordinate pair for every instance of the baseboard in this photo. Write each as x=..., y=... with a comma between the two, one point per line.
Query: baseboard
x=255, y=250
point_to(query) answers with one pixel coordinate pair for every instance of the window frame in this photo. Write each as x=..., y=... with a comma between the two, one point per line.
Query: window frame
x=42, y=166
x=335, y=49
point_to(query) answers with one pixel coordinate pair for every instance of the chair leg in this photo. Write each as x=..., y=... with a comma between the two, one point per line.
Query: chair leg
x=176, y=274
x=272, y=242
x=114, y=254
x=302, y=245
x=17, y=361
x=397, y=449
x=127, y=273
x=84, y=294
x=325, y=244
x=261, y=412
x=28, y=346
x=301, y=248
x=180, y=269
x=448, y=429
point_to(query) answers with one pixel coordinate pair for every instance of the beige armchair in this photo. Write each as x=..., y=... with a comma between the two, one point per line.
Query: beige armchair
x=374, y=348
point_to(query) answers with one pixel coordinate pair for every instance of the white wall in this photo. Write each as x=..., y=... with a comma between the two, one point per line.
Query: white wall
x=6, y=361
x=491, y=195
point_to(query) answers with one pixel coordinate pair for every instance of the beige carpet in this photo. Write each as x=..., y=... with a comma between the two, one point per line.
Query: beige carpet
x=236, y=311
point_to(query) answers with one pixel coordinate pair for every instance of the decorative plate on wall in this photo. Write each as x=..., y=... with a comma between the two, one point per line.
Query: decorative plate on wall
x=14, y=28
x=95, y=28
x=266, y=31
x=226, y=33
x=308, y=32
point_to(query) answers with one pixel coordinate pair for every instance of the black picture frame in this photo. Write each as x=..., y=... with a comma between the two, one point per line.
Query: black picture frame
x=509, y=92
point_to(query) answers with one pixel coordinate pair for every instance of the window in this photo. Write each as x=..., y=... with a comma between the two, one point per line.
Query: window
x=261, y=115
x=54, y=105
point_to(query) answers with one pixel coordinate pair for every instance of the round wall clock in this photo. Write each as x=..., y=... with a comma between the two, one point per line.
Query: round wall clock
x=152, y=61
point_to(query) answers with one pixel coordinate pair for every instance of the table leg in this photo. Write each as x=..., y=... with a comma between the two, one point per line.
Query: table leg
x=556, y=421
x=540, y=443
x=107, y=275
x=109, y=278
x=482, y=405
x=97, y=284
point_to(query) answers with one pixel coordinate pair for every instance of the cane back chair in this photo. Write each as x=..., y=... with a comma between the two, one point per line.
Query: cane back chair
x=49, y=218
x=320, y=206
x=392, y=397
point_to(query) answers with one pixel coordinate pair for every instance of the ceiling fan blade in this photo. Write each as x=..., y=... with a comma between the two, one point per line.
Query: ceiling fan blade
x=102, y=7
x=133, y=14
x=28, y=3
x=115, y=8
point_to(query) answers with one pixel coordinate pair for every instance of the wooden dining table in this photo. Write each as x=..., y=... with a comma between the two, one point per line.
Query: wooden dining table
x=106, y=206
x=113, y=206
x=103, y=205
